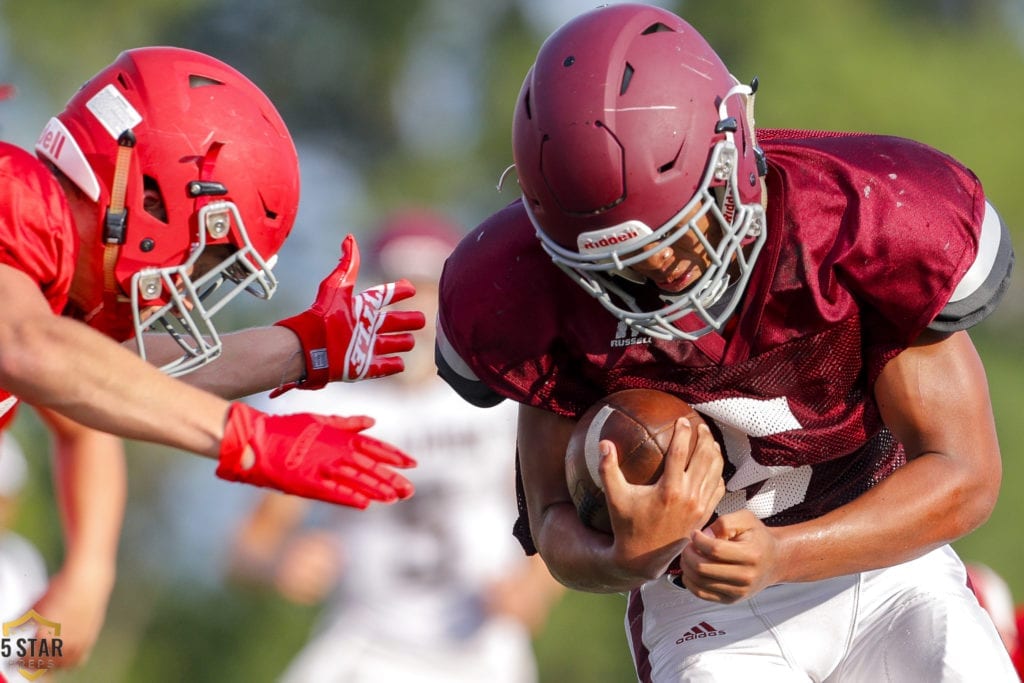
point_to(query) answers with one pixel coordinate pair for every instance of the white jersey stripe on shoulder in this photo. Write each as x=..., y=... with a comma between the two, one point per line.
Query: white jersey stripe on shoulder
x=988, y=248
x=7, y=404
x=452, y=357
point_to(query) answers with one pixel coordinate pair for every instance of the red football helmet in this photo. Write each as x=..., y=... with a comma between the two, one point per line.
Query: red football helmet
x=182, y=154
x=413, y=243
x=627, y=123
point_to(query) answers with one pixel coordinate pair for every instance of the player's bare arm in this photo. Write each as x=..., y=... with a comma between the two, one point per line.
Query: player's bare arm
x=343, y=336
x=252, y=361
x=77, y=372
x=934, y=398
x=65, y=366
x=651, y=523
x=85, y=460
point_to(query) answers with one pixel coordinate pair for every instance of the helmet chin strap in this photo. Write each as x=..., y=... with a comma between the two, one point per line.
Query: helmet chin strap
x=762, y=162
x=114, y=224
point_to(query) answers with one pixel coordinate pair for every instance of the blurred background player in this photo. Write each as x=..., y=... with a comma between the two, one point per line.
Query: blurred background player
x=995, y=596
x=22, y=567
x=76, y=594
x=85, y=461
x=433, y=589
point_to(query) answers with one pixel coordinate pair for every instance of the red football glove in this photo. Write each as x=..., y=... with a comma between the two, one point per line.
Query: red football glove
x=313, y=456
x=348, y=338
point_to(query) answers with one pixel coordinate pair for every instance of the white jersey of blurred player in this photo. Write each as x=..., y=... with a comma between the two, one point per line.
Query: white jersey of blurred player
x=408, y=606
x=426, y=585
x=23, y=576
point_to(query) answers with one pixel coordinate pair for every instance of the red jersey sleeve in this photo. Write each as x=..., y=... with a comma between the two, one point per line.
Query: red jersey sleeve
x=37, y=233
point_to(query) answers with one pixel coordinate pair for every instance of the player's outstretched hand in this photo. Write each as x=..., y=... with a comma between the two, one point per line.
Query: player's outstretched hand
x=312, y=456
x=652, y=522
x=348, y=336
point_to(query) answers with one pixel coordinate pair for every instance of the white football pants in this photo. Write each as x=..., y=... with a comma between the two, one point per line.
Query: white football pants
x=911, y=623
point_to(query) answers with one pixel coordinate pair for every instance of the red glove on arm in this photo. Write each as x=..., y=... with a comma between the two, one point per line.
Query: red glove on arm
x=313, y=456
x=348, y=338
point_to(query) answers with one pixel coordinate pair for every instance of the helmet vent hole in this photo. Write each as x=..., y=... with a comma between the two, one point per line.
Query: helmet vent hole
x=656, y=28
x=196, y=81
x=627, y=76
x=671, y=163
x=526, y=105
x=267, y=211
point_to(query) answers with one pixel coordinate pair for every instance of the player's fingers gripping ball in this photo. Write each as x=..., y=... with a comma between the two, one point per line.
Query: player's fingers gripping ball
x=640, y=422
x=347, y=336
x=313, y=456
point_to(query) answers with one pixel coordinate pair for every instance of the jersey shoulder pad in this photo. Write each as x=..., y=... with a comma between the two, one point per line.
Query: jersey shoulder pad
x=982, y=287
x=491, y=334
x=907, y=220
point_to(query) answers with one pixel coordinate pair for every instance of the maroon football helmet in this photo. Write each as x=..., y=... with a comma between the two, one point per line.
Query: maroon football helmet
x=627, y=123
x=177, y=127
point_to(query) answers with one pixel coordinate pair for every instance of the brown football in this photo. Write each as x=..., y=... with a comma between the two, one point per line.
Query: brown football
x=640, y=422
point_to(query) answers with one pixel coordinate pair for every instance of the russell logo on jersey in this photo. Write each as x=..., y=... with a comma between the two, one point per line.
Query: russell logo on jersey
x=627, y=336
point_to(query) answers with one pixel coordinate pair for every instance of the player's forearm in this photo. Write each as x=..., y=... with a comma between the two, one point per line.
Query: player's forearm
x=589, y=561
x=931, y=501
x=63, y=365
x=948, y=488
x=89, y=461
x=252, y=361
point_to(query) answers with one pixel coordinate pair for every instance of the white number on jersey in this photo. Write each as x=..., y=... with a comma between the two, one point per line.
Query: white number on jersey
x=739, y=419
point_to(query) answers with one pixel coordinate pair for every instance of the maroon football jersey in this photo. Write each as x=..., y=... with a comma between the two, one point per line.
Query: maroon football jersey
x=868, y=237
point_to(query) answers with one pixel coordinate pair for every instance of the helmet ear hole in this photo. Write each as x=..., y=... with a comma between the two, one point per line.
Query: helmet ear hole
x=153, y=199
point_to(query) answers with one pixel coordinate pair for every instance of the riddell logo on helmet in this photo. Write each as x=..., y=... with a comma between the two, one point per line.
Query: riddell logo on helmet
x=729, y=207
x=604, y=241
x=52, y=141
